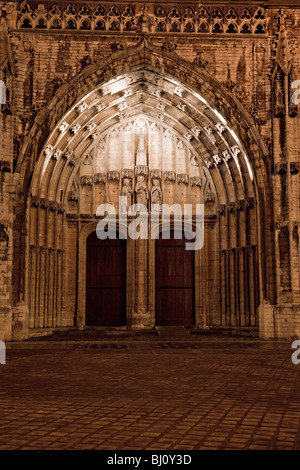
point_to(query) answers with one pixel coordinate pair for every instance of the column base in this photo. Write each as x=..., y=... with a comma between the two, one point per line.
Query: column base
x=279, y=321
x=5, y=323
x=20, y=322
x=140, y=320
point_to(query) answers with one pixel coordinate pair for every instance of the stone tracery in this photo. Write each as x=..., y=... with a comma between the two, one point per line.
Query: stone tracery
x=159, y=18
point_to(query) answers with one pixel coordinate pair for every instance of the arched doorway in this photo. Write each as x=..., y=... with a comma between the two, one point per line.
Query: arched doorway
x=174, y=282
x=105, y=282
x=183, y=154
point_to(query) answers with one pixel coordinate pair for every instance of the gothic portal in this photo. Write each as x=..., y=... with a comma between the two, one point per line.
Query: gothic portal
x=164, y=104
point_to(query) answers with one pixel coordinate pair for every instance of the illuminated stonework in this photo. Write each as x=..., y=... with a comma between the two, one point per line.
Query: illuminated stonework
x=166, y=104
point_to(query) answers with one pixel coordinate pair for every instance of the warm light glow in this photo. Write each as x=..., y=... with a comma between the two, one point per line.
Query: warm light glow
x=119, y=84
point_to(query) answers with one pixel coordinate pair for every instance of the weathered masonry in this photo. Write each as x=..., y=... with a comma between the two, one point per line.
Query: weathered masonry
x=171, y=103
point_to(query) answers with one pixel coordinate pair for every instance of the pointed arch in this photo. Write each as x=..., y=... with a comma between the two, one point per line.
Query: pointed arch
x=234, y=176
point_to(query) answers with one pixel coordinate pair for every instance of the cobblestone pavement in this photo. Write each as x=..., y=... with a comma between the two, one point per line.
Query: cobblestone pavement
x=151, y=393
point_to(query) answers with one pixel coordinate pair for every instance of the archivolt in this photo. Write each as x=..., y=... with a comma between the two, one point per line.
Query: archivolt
x=214, y=124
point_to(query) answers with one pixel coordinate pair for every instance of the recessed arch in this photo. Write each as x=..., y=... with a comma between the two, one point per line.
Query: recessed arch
x=214, y=127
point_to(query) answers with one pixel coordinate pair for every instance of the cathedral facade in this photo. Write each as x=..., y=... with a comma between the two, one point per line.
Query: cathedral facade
x=163, y=103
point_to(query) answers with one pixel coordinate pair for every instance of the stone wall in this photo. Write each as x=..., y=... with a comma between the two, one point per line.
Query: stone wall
x=252, y=56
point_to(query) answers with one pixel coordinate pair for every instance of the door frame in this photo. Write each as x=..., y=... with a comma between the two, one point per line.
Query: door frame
x=84, y=231
x=200, y=316
x=105, y=252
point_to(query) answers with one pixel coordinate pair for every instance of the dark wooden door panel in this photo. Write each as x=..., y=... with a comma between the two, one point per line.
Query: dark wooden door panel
x=107, y=267
x=170, y=306
x=174, y=283
x=105, y=307
x=105, y=282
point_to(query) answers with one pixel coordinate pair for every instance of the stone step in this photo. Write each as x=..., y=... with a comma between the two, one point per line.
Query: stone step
x=172, y=331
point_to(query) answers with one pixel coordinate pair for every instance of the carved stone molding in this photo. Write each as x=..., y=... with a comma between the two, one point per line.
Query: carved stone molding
x=235, y=150
x=35, y=201
x=60, y=208
x=72, y=160
x=151, y=18
x=199, y=62
x=279, y=111
x=221, y=128
x=161, y=106
x=208, y=163
x=48, y=151
x=294, y=168
x=122, y=106
x=182, y=106
x=210, y=224
x=209, y=197
x=155, y=174
x=217, y=159
x=169, y=176
x=100, y=106
x=182, y=178
x=227, y=155
x=86, y=180
x=68, y=153
x=193, y=160
x=169, y=47
x=188, y=136
x=88, y=160
x=91, y=126
x=82, y=107
x=230, y=85
x=75, y=128
x=117, y=46
x=53, y=206
x=178, y=91
x=293, y=110
x=94, y=135
x=72, y=196
x=5, y=166
x=196, y=131
x=141, y=170
x=250, y=202
x=282, y=225
x=240, y=205
x=127, y=173
x=86, y=61
x=222, y=209
x=63, y=127
x=99, y=178
x=56, y=154
x=252, y=110
x=195, y=181
x=281, y=168
x=113, y=176
x=231, y=207
x=44, y=203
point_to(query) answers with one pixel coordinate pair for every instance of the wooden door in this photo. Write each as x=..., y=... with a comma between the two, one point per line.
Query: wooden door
x=174, y=282
x=105, y=282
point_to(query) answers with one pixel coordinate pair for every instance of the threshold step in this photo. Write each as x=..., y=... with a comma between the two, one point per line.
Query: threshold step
x=172, y=331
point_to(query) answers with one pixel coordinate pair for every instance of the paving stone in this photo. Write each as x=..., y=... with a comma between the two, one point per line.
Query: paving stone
x=79, y=397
